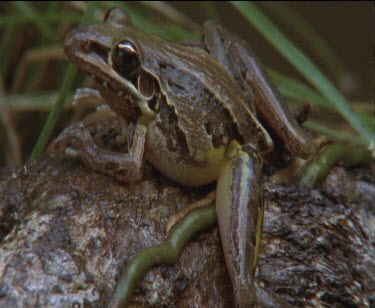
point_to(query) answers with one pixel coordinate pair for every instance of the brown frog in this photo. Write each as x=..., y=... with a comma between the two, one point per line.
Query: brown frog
x=196, y=112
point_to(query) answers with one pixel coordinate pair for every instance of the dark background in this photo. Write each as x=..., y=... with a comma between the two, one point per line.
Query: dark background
x=348, y=28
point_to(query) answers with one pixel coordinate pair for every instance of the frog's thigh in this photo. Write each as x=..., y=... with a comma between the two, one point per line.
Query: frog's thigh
x=239, y=207
x=267, y=99
x=125, y=167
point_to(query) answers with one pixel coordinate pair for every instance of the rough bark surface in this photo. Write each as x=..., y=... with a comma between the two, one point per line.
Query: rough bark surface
x=66, y=233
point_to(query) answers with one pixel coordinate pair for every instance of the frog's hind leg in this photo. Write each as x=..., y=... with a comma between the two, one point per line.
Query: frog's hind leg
x=239, y=59
x=239, y=207
x=125, y=167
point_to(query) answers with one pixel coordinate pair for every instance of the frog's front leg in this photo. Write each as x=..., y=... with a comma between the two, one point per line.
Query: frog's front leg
x=125, y=167
x=88, y=98
x=239, y=207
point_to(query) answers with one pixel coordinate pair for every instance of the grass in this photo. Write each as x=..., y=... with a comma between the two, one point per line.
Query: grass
x=304, y=66
x=50, y=20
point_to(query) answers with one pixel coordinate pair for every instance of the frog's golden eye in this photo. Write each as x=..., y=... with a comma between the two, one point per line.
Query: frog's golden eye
x=125, y=59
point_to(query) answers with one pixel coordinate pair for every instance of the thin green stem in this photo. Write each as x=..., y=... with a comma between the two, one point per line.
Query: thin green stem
x=64, y=92
x=296, y=90
x=334, y=134
x=327, y=158
x=54, y=114
x=165, y=253
x=8, y=38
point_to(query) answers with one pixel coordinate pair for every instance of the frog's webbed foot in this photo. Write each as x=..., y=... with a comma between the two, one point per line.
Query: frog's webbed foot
x=268, y=299
x=76, y=141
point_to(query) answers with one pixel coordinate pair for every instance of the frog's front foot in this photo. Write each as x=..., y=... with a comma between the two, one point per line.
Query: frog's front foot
x=76, y=141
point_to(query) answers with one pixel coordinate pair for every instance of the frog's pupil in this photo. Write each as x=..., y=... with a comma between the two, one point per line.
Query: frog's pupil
x=126, y=58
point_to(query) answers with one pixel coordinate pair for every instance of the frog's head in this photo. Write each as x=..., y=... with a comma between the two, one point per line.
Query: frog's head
x=109, y=53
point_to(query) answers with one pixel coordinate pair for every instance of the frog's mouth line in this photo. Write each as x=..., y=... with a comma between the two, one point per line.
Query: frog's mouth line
x=92, y=57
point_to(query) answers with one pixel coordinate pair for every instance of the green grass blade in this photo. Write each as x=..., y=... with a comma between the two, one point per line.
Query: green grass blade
x=337, y=135
x=303, y=65
x=54, y=114
x=64, y=92
x=8, y=39
x=293, y=89
x=310, y=36
x=175, y=16
x=25, y=8
x=31, y=102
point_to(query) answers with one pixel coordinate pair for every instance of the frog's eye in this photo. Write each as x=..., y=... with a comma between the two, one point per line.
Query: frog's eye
x=125, y=59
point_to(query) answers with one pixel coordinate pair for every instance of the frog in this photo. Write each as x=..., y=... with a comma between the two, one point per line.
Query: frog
x=200, y=113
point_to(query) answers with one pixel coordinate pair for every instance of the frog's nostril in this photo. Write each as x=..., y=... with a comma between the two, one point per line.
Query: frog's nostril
x=83, y=42
x=97, y=48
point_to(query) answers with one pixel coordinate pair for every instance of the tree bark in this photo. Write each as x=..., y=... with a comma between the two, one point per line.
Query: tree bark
x=67, y=233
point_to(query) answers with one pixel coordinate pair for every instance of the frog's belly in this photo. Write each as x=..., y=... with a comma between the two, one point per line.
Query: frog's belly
x=180, y=167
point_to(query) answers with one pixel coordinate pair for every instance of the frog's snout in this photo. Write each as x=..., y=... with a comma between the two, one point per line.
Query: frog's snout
x=74, y=39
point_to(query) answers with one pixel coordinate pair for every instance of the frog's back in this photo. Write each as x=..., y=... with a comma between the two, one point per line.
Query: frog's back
x=201, y=110
x=204, y=94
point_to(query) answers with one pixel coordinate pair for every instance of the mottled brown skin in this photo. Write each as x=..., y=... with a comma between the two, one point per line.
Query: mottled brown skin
x=185, y=88
x=262, y=96
x=193, y=122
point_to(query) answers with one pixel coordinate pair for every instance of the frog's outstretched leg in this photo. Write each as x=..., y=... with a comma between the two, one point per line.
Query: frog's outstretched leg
x=331, y=154
x=165, y=253
x=239, y=207
x=123, y=167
